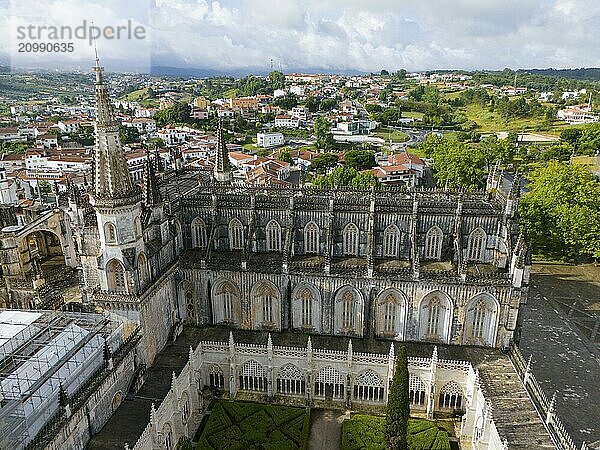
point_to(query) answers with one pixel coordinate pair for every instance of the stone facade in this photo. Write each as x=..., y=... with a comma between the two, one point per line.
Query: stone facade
x=406, y=265
x=338, y=379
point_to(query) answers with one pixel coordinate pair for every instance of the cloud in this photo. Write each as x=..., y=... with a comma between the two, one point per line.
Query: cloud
x=339, y=34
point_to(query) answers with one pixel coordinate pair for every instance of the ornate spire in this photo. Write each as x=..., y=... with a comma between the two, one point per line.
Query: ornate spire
x=152, y=195
x=112, y=181
x=222, y=171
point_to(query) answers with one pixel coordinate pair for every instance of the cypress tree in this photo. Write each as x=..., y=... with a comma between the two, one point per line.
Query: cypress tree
x=398, y=407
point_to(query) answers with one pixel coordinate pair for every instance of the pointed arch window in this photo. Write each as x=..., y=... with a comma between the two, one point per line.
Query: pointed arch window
x=226, y=296
x=143, y=271
x=391, y=241
x=199, y=234
x=433, y=320
x=311, y=238
x=236, y=235
x=451, y=396
x=476, y=247
x=110, y=233
x=348, y=310
x=351, y=239
x=273, y=230
x=433, y=243
x=389, y=314
x=307, y=304
x=266, y=298
x=116, y=276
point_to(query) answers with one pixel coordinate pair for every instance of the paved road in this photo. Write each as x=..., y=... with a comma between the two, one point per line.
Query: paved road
x=326, y=429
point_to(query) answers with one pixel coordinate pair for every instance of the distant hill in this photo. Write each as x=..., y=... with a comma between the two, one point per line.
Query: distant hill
x=592, y=73
x=203, y=73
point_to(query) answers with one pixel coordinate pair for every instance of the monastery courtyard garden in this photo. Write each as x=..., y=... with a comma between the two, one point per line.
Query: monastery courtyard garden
x=246, y=425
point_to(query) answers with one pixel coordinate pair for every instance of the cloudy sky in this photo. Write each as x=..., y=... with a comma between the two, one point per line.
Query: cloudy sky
x=363, y=35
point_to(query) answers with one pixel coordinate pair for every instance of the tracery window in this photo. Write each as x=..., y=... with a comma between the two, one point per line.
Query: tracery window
x=236, y=235
x=451, y=396
x=143, y=272
x=226, y=297
x=215, y=377
x=348, y=309
x=273, y=230
x=167, y=433
x=433, y=320
x=351, y=239
x=329, y=383
x=185, y=408
x=476, y=247
x=433, y=243
x=110, y=233
x=368, y=386
x=389, y=314
x=391, y=241
x=266, y=296
x=311, y=238
x=416, y=390
x=290, y=380
x=252, y=377
x=199, y=234
x=306, y=298
x=116, y=276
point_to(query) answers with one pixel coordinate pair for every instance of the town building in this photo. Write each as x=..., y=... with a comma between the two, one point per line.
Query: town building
x=268, y=140
x=286, y=121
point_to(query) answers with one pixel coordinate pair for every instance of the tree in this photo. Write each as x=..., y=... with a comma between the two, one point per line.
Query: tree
x=359, y=159
x=455, y=164
x=178, y=113
x=570, y=136
x=384, y=73
x=323, y=138
x=284, y=155
x=364, y=180
x=128, y=135
x=398, y=407
x=288, y=101
x=277, y=79
x=561, y=211
x=323, y=162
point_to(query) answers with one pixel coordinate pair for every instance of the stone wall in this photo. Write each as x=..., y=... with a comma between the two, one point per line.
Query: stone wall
x=238, y=369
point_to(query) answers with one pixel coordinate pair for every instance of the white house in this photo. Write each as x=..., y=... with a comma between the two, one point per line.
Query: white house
x=267, y=140
x=286, y=121
x=300, y=112
x=144, y=125
x=68, y=126
x=172, y=136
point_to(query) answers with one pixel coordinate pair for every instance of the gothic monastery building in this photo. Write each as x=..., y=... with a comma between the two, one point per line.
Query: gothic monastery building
x=432, y=267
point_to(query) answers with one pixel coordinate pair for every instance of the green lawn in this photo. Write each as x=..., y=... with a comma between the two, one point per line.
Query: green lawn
x=368, y=433
x=244, y=425
x=413, y=114
x=491, y=121
x=390, y=133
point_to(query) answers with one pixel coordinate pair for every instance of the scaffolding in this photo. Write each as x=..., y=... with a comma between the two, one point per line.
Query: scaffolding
x=43, y=355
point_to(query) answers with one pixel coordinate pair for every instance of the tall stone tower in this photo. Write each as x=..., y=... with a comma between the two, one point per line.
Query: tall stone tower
x=117, y=202
x=222, y=170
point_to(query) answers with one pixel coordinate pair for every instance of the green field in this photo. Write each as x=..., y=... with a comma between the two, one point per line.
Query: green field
x=363, y=432
x=390, y=133
x=492, y=121
x=242, y=425
x=413, y=114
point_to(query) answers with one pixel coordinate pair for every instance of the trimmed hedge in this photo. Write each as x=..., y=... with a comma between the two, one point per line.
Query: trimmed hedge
x=368, y=432
x=245, y=425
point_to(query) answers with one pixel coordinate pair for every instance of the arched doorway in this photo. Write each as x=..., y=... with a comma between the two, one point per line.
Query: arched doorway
x=44, y=253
